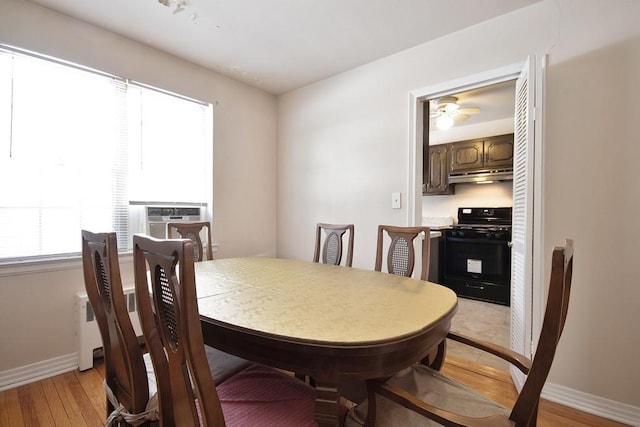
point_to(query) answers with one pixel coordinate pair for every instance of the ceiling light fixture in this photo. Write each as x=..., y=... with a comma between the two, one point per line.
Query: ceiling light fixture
x=447, y=111
x=444, y=122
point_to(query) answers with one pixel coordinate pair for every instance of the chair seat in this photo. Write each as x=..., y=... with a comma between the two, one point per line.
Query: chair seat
x=429, y=386
x=263, y=396
x=223, y=366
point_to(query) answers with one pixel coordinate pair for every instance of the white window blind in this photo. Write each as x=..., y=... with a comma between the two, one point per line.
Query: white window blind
x=77, y=145
x=167, y=146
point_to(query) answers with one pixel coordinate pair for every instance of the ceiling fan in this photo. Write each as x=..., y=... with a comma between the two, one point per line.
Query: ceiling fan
x=446, y=111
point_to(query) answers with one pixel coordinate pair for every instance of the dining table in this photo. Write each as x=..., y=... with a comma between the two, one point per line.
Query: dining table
x=327, y=322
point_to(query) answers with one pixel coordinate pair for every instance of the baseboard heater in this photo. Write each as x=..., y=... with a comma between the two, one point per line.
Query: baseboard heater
x=88, y=337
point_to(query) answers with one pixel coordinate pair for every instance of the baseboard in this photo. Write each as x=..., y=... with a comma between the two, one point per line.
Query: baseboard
x=38, y=371
x=592, y=404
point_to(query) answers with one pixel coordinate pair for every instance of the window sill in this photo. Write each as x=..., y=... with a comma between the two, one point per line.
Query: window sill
x=70, y=262
x=29, y=266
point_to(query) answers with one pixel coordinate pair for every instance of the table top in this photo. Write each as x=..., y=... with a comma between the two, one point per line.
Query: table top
x=311, y=302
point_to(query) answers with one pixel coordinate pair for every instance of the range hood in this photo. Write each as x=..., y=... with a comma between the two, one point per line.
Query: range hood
x=481, y=177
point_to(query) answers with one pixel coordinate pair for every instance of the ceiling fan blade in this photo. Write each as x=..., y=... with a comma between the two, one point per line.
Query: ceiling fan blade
x=460, y=117
x=469, y=110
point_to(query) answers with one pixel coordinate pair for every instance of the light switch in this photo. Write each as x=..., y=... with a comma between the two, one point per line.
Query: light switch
x=395, y=201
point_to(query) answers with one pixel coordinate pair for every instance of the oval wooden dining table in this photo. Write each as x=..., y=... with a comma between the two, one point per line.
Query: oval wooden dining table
x=328, y=322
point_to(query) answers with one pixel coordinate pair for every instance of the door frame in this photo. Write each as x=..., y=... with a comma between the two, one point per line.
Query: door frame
x=415, y=151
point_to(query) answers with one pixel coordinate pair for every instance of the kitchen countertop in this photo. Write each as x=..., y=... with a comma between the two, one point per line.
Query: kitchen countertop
x=437, y=222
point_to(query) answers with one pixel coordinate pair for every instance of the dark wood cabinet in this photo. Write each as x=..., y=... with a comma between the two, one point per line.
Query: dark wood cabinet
x=483, y=153
x=435, y=162
x=467, y=155
x=498, y=151
x=436, y=178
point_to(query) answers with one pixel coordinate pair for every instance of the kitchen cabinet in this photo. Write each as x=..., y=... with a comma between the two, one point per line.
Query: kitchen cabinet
x=494, y=152
x=435, y=162
x=498, y=152
x=436, y=173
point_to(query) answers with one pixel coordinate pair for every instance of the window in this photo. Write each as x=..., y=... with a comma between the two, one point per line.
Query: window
x=76, y=146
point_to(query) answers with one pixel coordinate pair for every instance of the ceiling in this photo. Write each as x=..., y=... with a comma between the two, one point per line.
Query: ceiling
x=280, y=45
x=495, y=101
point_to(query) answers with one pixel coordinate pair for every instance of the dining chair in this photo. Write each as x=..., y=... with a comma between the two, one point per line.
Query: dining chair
x=192, y=230
x=333, y=244
x=422, y=396
x=130, y=382
x=126, y=379
x=401, y=254
x=187, y=395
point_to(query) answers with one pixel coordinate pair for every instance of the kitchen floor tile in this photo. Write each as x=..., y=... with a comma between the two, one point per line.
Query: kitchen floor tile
x=483, y=320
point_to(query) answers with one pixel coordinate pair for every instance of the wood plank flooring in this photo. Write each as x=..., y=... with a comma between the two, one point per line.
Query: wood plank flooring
x=497, y=385
x=73, y=399
x=76, y=399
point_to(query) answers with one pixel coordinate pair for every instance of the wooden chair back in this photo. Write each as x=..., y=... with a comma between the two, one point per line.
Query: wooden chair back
x=191, y=231
x=401, y=254
x=168, y=309
x=525, y=410
x=125, y=371
x=332, y=247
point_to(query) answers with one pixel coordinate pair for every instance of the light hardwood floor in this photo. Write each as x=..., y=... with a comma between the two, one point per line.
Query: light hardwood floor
x=76, y=399
x=497, y=385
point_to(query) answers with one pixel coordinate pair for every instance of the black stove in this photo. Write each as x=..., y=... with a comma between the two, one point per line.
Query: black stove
x=477, y=254
x=484, y=217
x=480, y=232
x=484, y=223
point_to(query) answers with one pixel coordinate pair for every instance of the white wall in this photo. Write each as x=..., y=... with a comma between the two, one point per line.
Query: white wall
x=499, y=194
x=478, y=130
x=343, y=144
x=36, y=310
x=592, y=193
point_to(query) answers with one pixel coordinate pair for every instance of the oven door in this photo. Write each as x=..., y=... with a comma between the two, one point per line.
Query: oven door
x=479, y=268
x=478, y=258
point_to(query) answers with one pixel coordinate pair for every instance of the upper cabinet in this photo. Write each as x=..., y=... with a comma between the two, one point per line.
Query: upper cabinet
x=498, y=151
x=467, y=155
x=483, y=153
x=436, y=176
x=464, y=158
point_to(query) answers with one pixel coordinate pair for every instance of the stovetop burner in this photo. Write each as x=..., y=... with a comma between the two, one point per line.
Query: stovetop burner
x=485, y=223
x=495, y=233
x=488, y=227
x=483, y=217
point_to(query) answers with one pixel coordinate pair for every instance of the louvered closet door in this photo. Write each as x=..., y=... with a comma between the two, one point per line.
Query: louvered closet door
x=522, y=221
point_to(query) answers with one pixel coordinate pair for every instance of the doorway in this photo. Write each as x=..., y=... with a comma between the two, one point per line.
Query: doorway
x=526, y=311
x=464, y=118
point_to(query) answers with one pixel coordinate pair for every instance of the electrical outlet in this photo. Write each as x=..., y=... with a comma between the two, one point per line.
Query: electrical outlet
x=395, y=201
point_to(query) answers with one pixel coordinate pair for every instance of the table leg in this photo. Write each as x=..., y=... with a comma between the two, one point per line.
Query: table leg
x=327, y=406
x=435, y=359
